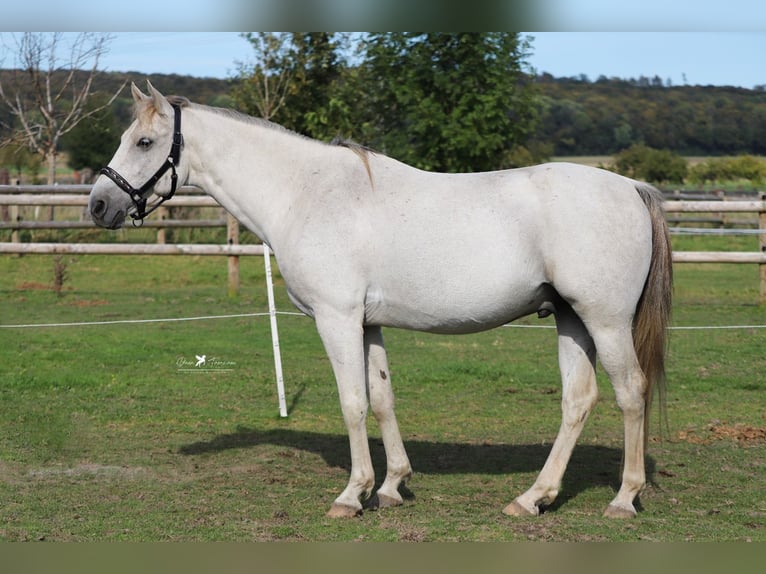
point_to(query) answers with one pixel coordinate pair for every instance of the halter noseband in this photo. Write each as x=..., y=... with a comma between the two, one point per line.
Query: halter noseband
x=137, y=195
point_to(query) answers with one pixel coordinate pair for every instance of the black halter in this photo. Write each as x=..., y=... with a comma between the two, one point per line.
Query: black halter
x=138, y=195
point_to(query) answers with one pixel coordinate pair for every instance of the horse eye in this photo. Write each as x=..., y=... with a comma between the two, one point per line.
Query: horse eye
x=144, y=143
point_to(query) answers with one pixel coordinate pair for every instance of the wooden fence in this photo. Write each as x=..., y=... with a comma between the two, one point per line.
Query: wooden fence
x=13, y=197
x=723, y=207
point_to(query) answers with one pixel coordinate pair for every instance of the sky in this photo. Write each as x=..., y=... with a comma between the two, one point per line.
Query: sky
x=694, y=58
x=703, y=58
x=697, y=42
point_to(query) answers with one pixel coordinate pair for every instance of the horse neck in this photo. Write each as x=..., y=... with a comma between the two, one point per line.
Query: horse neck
x=249, y=168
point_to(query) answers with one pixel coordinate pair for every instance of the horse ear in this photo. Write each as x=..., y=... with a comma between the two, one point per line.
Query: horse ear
x=138, y=95
x=160, y=103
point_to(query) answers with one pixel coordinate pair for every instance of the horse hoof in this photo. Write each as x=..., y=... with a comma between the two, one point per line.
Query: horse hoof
x=516, y=509
x=385, y=501
x=614, y=511
x=343, y=511
x=382, y=501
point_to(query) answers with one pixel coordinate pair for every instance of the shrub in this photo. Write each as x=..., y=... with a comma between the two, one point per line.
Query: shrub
x=715, y=170
x=652, y=165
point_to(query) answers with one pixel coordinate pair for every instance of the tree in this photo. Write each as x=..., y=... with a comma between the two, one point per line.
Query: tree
x=47, y=93
x=91, y=144
x=294, y=81
x=312, y=106
x=264, y=83
x=448, y=102
x=18, y=157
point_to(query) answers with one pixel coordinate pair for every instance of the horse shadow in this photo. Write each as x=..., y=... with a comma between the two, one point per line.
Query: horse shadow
x=590, y=465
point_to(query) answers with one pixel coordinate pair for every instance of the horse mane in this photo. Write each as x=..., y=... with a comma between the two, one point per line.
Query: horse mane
x=363, y=152
x=240, y=117
x=360, y=150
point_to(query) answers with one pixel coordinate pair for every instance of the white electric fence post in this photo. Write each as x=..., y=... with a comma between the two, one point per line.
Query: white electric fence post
x=274, y=333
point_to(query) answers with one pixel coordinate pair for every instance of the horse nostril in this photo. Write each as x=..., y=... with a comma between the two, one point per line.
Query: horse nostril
x=99, y=208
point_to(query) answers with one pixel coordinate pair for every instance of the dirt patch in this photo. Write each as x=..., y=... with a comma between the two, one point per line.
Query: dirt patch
x=744, y=434
x=533, y=530
x=413, y=535
x=741, y=433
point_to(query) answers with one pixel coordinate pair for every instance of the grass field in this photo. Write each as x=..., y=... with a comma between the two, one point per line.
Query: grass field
x=105, y=436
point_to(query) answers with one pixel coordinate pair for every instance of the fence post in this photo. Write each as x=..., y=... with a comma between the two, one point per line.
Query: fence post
x=163, y=214
x=5, y=179
x=232, y=238
x=762, y=245
x=15, y=234
x=721, y=195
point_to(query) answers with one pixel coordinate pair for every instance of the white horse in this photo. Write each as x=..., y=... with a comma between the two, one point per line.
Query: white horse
x=364, y=241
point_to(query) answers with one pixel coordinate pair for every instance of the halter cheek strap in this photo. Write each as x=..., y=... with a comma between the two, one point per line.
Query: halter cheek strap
x=138, y=196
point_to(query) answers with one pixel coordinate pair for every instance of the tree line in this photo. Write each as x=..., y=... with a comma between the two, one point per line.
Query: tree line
x=439, y=101
x=583, y=117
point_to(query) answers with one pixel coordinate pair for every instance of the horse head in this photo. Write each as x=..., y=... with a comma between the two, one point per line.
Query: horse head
x=147, y=161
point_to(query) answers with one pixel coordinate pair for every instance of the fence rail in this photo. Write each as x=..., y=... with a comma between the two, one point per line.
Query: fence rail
x=132, y=249
x=686, y=206
x=84, y=224
x=14, y=196
x=80, y=200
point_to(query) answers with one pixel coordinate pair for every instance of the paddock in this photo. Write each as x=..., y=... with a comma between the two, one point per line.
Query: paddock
x=105, y=436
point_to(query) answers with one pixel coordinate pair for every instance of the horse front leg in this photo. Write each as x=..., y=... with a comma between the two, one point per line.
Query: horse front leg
x=381, y=394
x=342, y=337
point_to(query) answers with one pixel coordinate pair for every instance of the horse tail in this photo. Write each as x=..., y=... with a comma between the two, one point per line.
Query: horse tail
x=652, y=316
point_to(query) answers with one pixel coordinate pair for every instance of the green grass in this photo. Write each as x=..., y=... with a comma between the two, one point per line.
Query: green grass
x=102, y=438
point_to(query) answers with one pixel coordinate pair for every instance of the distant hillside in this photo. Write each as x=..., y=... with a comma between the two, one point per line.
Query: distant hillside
x=202, y=90
x=582, y=117
x=207, y=91
x=577, y=116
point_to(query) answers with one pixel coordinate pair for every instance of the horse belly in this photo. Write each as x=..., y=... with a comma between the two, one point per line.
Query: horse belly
x=465, y=303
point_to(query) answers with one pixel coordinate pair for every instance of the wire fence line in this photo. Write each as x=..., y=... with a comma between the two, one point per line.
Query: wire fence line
x=297, y=314
x=139, y=321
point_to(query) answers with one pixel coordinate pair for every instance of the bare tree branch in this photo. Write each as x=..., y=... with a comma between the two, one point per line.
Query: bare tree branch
x=49, y=92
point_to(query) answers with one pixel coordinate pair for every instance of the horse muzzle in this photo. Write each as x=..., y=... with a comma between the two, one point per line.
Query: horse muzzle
x=108, y=210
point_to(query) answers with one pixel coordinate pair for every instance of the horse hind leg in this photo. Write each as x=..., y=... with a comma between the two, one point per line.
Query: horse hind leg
x=381, y=394
x=577, y=363
x=618, y=357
